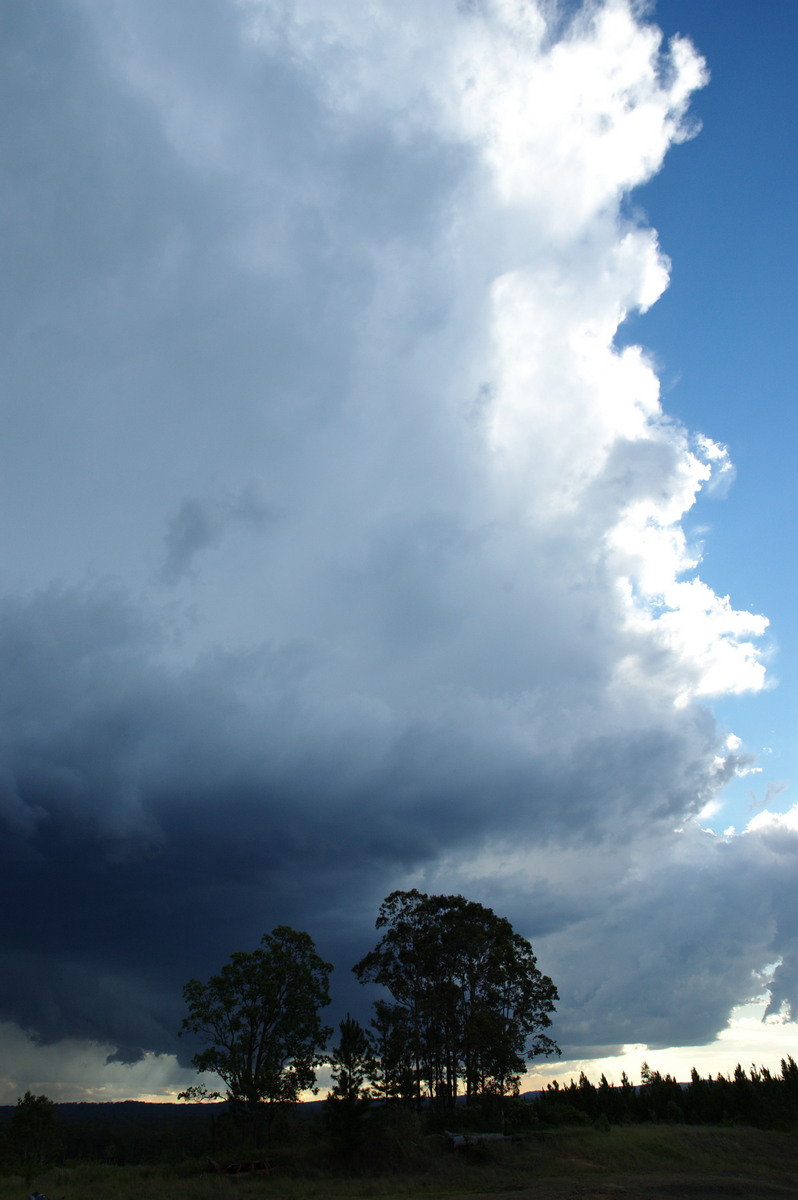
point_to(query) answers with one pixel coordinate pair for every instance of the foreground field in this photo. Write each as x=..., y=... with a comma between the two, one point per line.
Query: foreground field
x=648, y=1161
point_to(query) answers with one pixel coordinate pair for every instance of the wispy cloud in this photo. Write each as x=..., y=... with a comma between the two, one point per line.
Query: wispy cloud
x=200, y=523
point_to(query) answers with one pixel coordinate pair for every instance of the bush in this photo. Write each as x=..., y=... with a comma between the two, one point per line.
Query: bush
x=394, y=1139
x=560, y=1113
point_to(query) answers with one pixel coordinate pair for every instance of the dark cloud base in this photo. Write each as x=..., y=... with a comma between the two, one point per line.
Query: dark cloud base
x=155, y=822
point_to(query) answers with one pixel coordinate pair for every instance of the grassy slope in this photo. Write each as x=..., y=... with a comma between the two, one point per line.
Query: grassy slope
x=640, y=1161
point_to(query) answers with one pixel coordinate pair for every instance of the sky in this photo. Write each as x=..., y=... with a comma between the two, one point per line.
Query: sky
x=396, y=491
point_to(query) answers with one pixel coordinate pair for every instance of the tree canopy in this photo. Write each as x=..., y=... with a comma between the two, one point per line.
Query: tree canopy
x=469, y=1006
x=259, y=1020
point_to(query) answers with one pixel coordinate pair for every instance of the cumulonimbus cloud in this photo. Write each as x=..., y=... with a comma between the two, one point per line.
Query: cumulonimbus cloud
x=376, y=265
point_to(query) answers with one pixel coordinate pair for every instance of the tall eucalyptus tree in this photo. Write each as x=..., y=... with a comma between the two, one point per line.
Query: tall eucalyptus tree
x=259, y=1022
x=467, y=996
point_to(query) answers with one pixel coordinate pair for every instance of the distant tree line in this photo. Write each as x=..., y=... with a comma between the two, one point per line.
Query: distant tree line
x=38, y=1133
x=759, y=1098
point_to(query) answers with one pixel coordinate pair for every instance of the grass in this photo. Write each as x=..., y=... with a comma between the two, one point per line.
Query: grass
x=644, y=1152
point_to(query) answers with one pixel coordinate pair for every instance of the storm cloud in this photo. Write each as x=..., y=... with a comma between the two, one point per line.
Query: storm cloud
x=342, y=545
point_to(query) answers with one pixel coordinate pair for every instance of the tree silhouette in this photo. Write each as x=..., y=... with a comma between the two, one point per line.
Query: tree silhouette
x=469, y=1003
x=32, y=1133
x=259, y=1020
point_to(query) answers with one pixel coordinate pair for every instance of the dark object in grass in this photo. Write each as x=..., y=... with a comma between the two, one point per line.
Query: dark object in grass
x=459, y=1140
x=258, y=1166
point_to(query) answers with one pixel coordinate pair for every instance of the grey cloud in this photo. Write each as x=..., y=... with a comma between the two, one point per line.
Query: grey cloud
x=201, y=803
x=129, y=1055
x=200, y=523
x=676, y=941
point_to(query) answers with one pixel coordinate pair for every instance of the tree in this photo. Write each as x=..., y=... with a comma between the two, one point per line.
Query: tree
x=32, y=1133
x=395, y=1077
x=353, y=1062
x=259, y=1020
x=353, y=1067
x=467, y=994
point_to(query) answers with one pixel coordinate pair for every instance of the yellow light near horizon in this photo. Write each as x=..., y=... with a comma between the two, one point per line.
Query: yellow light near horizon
x=747, y=1039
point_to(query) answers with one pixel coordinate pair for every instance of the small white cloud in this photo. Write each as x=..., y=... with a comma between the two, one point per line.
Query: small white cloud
x=771, y=822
